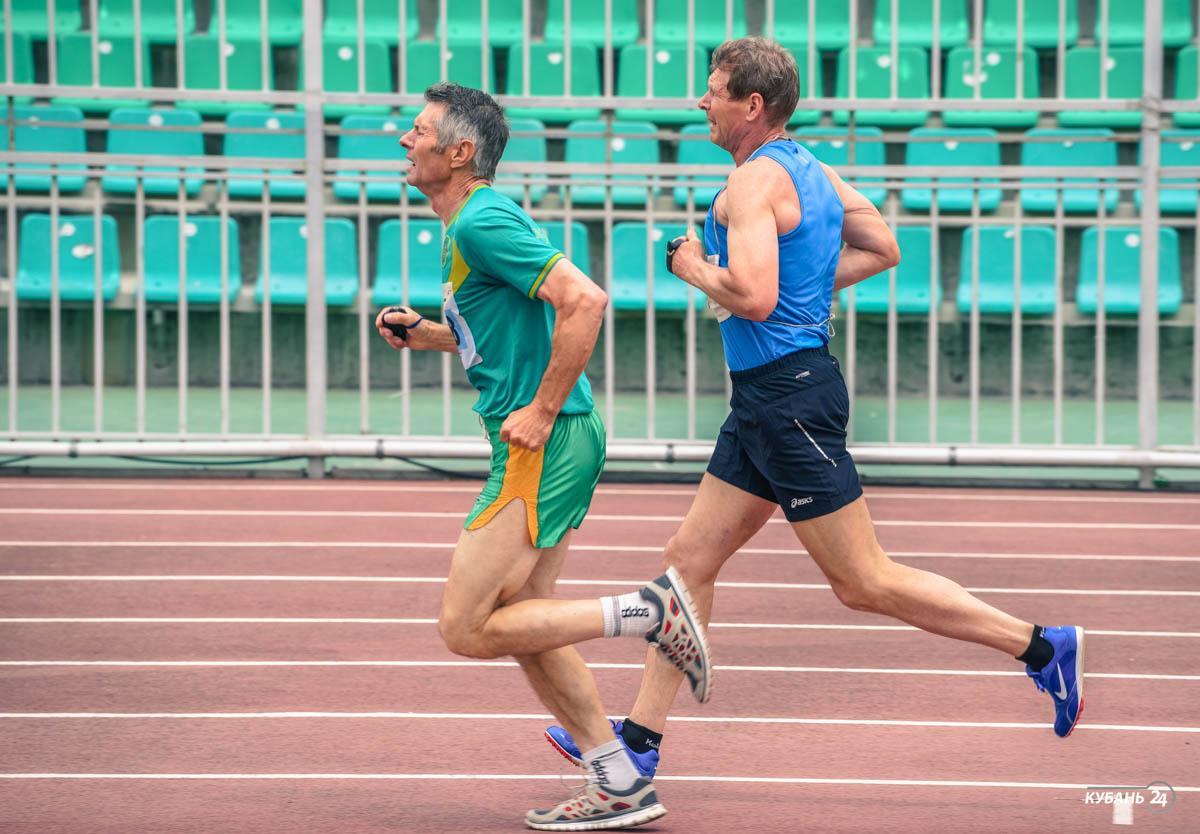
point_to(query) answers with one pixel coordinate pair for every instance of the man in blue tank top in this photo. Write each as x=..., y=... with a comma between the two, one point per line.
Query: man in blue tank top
x=778, y=240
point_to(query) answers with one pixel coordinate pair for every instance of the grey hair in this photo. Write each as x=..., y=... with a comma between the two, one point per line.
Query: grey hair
x=472, y=115
x=760, y=65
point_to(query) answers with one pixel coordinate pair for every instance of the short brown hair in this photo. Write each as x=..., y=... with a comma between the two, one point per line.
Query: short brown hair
x=760, y=65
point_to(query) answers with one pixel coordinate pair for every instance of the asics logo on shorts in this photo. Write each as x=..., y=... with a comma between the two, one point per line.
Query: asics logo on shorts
x=800, y=502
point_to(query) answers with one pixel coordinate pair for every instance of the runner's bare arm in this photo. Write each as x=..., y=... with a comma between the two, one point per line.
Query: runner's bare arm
x=870, y=246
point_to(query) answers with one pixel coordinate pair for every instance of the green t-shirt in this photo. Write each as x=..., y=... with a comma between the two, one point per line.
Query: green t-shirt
x=494, y=259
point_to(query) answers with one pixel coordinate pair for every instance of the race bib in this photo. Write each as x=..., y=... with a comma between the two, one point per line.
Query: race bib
x=458, y=326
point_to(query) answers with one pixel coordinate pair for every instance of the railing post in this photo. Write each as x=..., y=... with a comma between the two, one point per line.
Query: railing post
x=314, y=166
x=1152, y=74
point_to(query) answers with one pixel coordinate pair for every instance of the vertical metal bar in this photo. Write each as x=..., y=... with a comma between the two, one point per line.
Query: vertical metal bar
x=728, y=19
x=55, y=313
x=8, y=52
x=813, y=53
x=443, y=57
x=1020, y=57
x=264, y=44
x=1059, y=272
x=893, y=335
x=769, y=20
x=223, y=309
x=690, y=58
x=222, y=58
x=935, y=62
x=609, y=62
x=689, y=336
x=1060, y=58
x=139, y=247
x=402, y=47
x=485, y=48
x=98, y=318
x=934, y=347
x=405, y=283
x=610, y=349
x=95, y=17
x=566, y=50
x=651, y=356
x=51, y=42
x=851, y=354
x=364, y=317
x=893, y=68
x=525, y=68
x=1101, y=345
x=1103, y=40
x=181, y=233
x=11, y=253
x=180, y=44
x=1017, y=325
x=314, y=218
x=1152, y=92
x=137, y=45
x=265, y=241
x=446, y=405
x=361, y=49
x=1195, y=336
x=974, y=327
x=977, y=51
x=649, y=26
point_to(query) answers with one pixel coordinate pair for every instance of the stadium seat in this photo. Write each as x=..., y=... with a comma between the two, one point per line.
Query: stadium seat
x=546, y=76
x=700, y=151
x=464, y=22
x=250, y=182
x=581, y=252
x=30, y=18
x=424, y=264
x=1126, y=17
x=630, y=143
x=381, y=21
x=831, y=146
x=158, y=19
x=1179, y=148
x=996, y=78
x=997, y=270
x=243, y=71
x=341, y=64
x=912, y=279
x=955, y=149
x=873, y=71
x=464, y=64
x=76, y=258
x=22, y=72
x=287, y=274
x=1185, y=84
x=1123, y=271
x=526, y=144
x=831, y=23
x=74, y=59
x=587, y=23
x=383, y=145
x=1070, y=150
x=709, y=22
x=285, y=21
x=39, y=138
x=161, y=140
x=1041, y=23
x=914, y=23
x=1083, y=81
x=670, y=80
x=803, y=115
x=628, y=291
x=203, y=242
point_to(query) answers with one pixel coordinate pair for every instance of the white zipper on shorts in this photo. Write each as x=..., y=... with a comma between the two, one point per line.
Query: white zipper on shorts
x=816, y=445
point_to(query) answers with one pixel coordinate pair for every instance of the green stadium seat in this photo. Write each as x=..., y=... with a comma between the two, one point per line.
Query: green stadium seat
x=39, y=138
x=526, y=144
x=287, y=275
x=709, y=29
x=22, y=62
x=384, y=145
x=997, y=270
x=158, y=19
x=341, y=63
x=381, y=21
x=1083, y=81
x=464, y=64
x=831, y=145
x=1126, y=17
x=250, y=182
x=1185, y=84
x=997, y=78
x=912, y=279
x=546, y=62
x=162, y=140
x=581, y=251
x=1179, y=148
x=76, y=258
x=802, y=115
x=630, y=143
x=243, y=71
x=670, y=80
x=424, y=264
x=1069, y=151
x=914, y=23
x=285, y=21
x=464, y=22
x=874, y=70
x=956, y=149
x=74, y=58
x=628, y=291
x=700, y=151
x=203, y=243
x=1041, y=23
x=30, y=18
x=831, y=23
x=587, y=23
x=1123, y=271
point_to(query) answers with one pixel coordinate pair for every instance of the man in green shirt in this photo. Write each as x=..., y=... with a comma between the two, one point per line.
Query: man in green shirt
x=524, y=319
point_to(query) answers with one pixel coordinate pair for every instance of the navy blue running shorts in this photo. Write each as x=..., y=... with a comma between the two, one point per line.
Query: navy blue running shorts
x=785, y=437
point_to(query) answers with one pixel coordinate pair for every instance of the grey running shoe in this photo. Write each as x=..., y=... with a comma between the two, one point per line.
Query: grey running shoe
x=678, y=635
x=598, y=807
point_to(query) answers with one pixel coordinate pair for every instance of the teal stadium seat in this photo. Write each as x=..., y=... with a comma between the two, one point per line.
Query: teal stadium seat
x=250, y=182
x=30, y=17
x=1186, y=66
x=997, y=270
x=912, y=279
x=914, y=23
x=581, y=251
x=1070, y=150
x=1041, y=28
x=831, y=145
x=285, y=20
x=162, y=139
x=1126, y=22
x=709, y=22
x=958, y=149
x=341, y=63
x=117, y=69
x=629, y=291
x=996, y=78
x=76, y=258
x=587, y=22
x=22, y=72
x=203, y=244
x=37, y=137
x=424, y=264
x=381, y=21
x=1180, y=148
x=873, y=71
x=1123, y=271
x=630, y=143
x=158, y=19
x=288, y=270
x=670, y=80
x=816, y=85
x=382, y=142
x=464, y=65
x=243, y=71
x=1083, y=82
x=464, y=20
x=526, y=144
x=831, y=22
x=700, y=151
x=546, y=77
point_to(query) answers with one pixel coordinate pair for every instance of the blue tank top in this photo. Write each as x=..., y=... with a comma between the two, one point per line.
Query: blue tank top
x=808, y=258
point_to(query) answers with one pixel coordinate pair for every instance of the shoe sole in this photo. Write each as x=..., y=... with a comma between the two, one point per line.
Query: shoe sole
x=1078, y=678
x=562, y=751
x=639, y=817
x=703, y=689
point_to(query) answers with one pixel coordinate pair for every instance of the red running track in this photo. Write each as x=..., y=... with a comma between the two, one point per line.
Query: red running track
x=258, y=657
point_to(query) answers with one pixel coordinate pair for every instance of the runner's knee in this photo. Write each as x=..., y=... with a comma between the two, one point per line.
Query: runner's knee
x=463, y=637
x=697, y=564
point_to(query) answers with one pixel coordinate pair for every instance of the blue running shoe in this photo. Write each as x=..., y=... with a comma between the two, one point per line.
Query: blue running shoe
x=646, y=763
x=1062, y=677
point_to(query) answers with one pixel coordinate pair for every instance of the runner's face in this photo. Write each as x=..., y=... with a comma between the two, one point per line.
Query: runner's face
x=725, y=115
x=426, y=165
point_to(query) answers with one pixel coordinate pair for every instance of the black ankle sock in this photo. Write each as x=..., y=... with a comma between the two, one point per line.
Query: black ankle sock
x=639, y=738
x=1040, y=651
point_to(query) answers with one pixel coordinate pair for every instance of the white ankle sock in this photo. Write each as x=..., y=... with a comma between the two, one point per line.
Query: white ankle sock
x=628, y=615
x=611, y=765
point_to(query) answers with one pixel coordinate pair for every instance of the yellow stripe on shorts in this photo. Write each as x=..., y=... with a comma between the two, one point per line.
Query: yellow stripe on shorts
x=522, y=477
